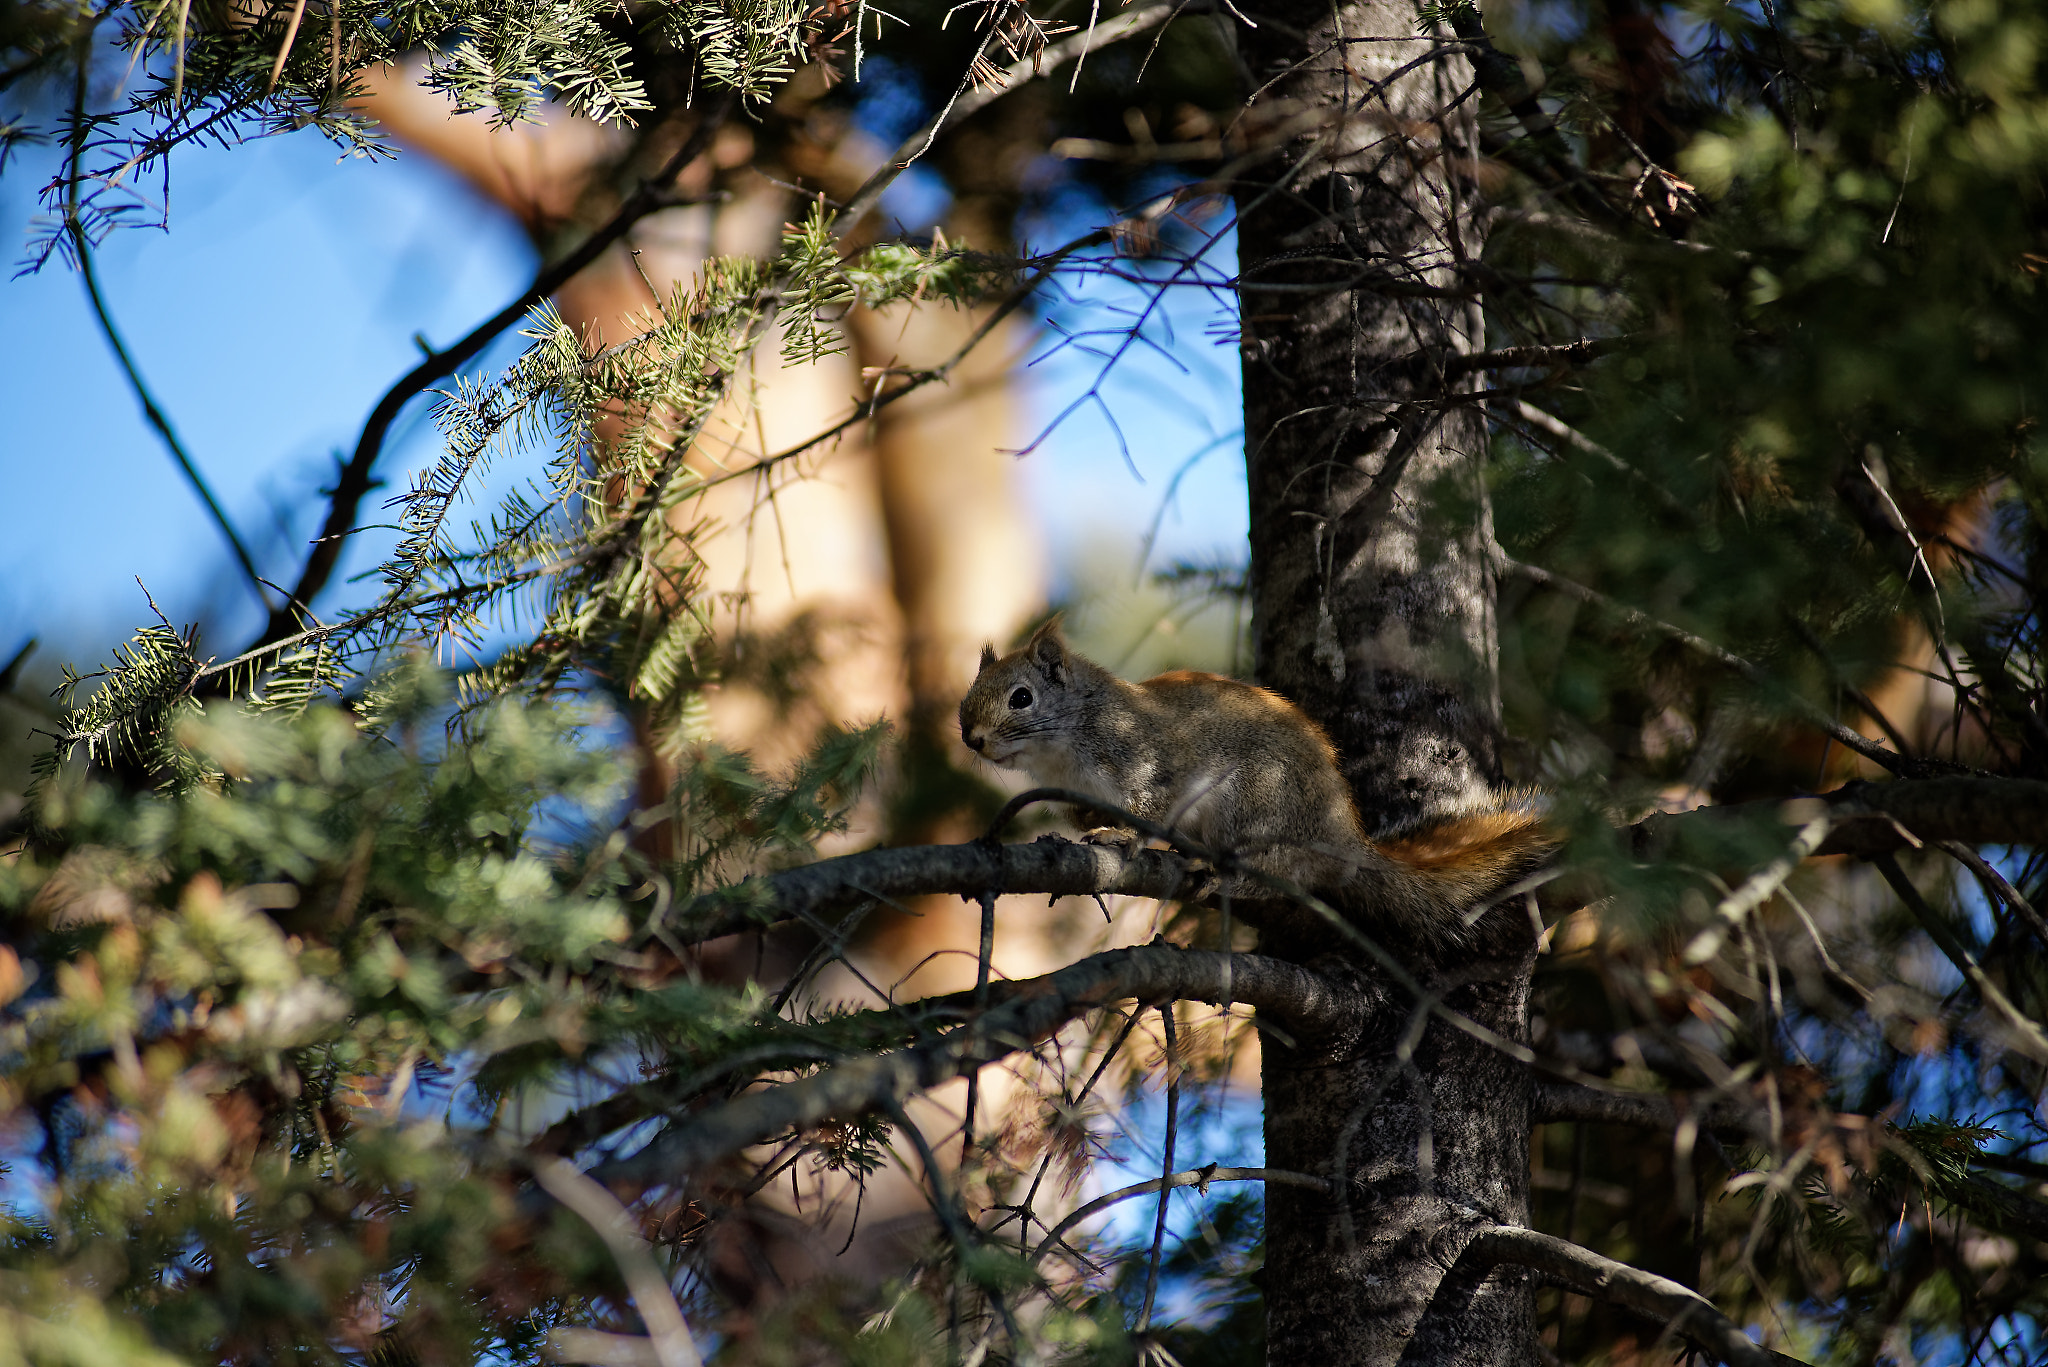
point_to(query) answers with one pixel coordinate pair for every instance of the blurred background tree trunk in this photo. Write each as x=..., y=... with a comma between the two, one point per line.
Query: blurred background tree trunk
x=857, y=581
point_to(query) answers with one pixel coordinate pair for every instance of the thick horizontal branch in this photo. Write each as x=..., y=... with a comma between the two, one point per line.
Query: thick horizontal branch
x=1587, y=1272
x=1998, y=1206
x=1871, y=819
x=1866, y=820
x=1304, y=1003
x=1556, y=1102
x=1049, y=865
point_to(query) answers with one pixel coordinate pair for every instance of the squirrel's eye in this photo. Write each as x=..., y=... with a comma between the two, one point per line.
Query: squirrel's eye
x=1020, y=699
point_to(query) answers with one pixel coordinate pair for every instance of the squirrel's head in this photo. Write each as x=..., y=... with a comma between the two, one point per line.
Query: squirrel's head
x=1019, y=698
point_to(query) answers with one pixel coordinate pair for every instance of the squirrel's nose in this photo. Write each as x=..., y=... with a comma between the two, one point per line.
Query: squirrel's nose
x=974, y=742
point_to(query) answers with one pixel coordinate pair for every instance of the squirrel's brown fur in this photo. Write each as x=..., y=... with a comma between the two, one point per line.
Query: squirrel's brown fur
x=1240, y=769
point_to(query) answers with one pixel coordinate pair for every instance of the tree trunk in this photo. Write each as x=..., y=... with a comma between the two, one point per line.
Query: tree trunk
x=1373, y=607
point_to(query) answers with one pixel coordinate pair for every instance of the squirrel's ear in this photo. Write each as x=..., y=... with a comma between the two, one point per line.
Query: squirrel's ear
x=1049, y=649
x=988, y=656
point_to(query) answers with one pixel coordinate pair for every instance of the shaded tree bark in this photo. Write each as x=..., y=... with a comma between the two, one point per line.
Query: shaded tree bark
x=1373, y=607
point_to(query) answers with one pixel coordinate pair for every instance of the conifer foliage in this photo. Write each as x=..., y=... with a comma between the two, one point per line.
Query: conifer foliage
x=355, y=1001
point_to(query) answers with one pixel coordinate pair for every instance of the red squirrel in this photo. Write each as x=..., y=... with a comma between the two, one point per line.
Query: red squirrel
x=1238, y=768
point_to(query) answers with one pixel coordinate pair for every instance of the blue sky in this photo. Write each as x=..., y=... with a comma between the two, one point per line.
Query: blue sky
x=337, y=265
x=357, y=256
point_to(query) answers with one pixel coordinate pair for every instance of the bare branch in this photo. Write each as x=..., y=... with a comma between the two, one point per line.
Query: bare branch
x=1557, y=1102
x=1193, y=1177
x=1166, y=1177
x=2024, y=1033
x=157, y=417
x=1999, y=885
x=1683, y=1309
x=1056, y=867
x=1871, y=819
x=353, y=481
x=1757, y=890
x=1306, y=1004
x=668, y=1333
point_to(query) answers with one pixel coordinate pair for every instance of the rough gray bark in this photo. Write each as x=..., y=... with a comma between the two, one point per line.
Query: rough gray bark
x=1356, y=264
x=1373, y=608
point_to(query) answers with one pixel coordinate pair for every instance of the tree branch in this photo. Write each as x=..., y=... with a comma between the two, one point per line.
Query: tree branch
x=916, y=379
x=2024, y=1033
x=1683, y=1309
x=1050, y=865
x=1871, y=819
x=1193, y=1177
x=1865, y=819
x=974, y=98
x=1999, y=1206
x=1303, y=1002
x=1906, y=765
x=1559, y=356
x=1558, y=1102
x=354, y=480
x=161, y=421
x=668, y=1334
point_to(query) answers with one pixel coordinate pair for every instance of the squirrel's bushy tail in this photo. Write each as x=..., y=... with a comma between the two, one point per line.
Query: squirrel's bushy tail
x=1437, y=874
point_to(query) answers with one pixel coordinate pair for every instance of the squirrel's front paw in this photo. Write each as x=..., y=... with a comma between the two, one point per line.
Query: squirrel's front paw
x=1121, y=838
